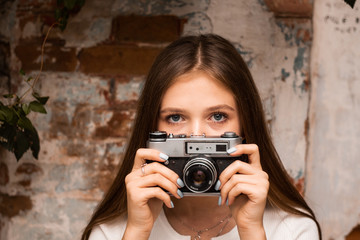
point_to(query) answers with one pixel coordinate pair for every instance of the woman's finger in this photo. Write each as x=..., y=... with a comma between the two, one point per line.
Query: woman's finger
x=235, y=168
x=252, y=150
x=255, y=193
x=157, y=179
x=235, y=180
x=143, y=196
x=156, y=167
x=143, y=154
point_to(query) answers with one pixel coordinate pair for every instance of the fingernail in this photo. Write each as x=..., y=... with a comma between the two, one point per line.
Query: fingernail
x=180, y=193
x=231, y=150
x=180, y=182
x=227, y=202
x=163, y=156
x=217, y=185
x=219, y=201
x=172, y=204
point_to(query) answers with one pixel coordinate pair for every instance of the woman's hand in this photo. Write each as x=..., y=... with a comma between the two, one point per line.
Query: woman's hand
x=144, y=194
x=244, y=187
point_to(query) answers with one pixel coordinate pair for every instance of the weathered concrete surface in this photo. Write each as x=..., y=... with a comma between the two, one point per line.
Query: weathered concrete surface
x=332, y=178
x=278, y=54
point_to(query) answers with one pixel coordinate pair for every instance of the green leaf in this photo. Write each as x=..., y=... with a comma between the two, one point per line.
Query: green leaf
x=3, y=114
x=34, y=142
x=25, y=123
x=18, y=140
x=22, y=72
x=8, y=115
x=81, y=3
x=57, y=14
x=59, y=2
x=21, y=144
x=63, y=19
x=35, y=94
x=69, y=4
x=8, y=95
x=29, y=79
x=25, y=107
x=42, y=100
x=36, y=106
x=7, y=135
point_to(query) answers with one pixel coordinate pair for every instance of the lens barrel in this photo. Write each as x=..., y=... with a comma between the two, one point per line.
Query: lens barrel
x=199, y=174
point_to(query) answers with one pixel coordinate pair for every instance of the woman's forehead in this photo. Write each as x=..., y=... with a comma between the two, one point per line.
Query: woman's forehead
x=197, y=86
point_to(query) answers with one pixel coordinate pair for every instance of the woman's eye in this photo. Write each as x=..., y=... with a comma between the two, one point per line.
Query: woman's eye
x=218, y=117
x=174, y=118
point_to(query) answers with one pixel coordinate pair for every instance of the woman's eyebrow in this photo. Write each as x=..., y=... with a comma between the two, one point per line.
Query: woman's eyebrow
x=171, y=109
x=212, y=108
x=221, y=107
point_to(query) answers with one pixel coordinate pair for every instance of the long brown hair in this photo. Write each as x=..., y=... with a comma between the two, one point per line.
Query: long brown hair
x=217, y=57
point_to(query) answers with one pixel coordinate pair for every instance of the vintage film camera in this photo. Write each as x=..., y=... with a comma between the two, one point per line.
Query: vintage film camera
x=198, y=160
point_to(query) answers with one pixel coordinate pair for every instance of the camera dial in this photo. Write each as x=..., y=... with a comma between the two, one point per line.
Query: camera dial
x=158, y=136
x=229, y=135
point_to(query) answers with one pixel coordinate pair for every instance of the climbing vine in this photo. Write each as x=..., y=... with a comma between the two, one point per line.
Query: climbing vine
x=17, y=133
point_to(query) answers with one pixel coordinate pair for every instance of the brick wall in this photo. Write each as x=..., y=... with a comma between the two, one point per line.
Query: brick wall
x=93, y=95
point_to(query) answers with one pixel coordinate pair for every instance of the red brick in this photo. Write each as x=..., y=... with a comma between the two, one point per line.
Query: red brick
x=41, y=21
x=80, y=121
x=4, y=66
x=151, y=29
x=25, y=183
x=117, y=59
x=4, y=174
x=56, y=57
x=36, y=5
x=110, y=93
x=27, y=168
x=354, y=234
x=11, y=206
x=4, y=54
x=294, y=8
x=106, y=173
x=118, y=126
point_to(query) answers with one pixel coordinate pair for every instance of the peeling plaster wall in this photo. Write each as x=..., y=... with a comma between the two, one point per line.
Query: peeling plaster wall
x=333, y=169
x=277, y=51
x=92, y=106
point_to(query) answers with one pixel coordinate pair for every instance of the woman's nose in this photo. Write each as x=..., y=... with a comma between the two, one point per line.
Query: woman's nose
x=196, y=128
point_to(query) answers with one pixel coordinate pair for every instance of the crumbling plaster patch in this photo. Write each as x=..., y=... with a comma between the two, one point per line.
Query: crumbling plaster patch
x=333, y=170
x=280, y=48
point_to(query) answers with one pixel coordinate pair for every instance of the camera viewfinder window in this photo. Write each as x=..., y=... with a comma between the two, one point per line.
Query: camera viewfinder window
x=221, y=147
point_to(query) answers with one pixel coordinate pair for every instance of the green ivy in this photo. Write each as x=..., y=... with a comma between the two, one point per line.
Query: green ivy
x=65, y=8
x=17, y=133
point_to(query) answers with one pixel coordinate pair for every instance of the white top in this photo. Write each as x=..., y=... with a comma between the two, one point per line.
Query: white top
x=278, y=225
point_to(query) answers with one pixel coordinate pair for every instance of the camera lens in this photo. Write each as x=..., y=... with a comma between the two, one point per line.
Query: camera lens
x=199, y=174
x=198, y=177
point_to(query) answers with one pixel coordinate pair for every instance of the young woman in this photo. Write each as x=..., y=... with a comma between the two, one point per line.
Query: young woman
x=201, y=85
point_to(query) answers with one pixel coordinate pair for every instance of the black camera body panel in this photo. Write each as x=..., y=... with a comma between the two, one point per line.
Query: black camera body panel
x=198, y=160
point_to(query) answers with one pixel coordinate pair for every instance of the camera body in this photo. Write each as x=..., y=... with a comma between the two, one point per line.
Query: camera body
x=198, y=160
